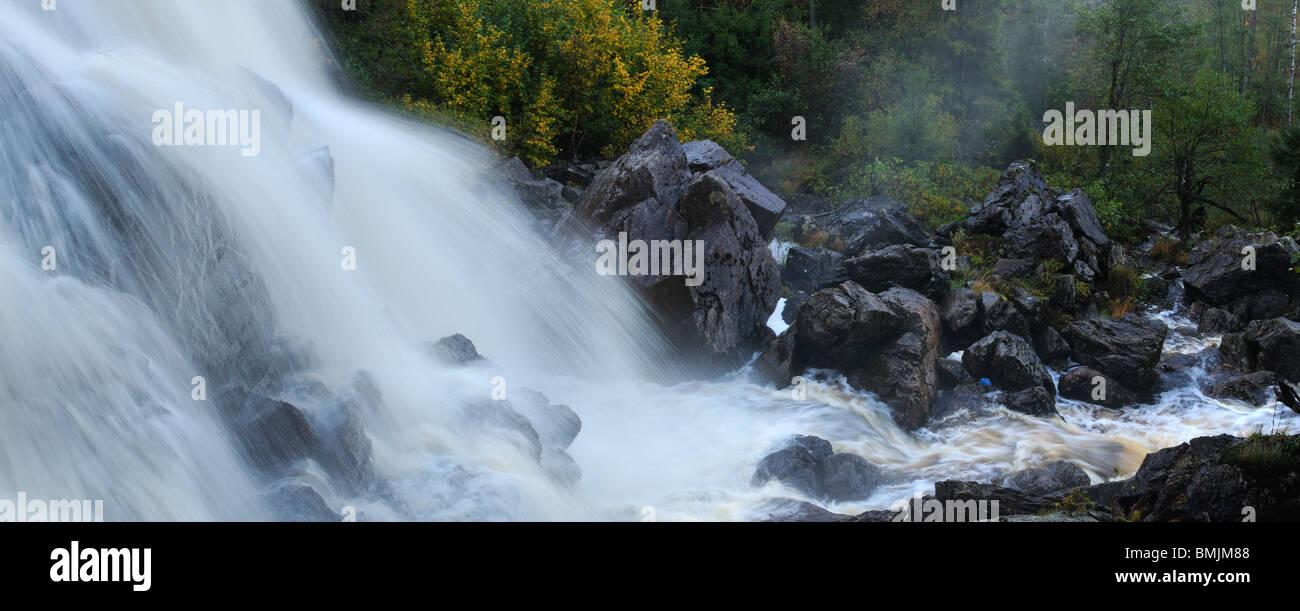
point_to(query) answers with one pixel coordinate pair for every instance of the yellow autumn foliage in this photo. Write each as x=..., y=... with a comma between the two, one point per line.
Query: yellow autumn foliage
x=572, y=78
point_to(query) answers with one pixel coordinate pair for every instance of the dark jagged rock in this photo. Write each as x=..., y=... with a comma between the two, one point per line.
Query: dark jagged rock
x=808, y=465
x=777, y=363
x=705, y=155
x=1014, y=268
x=1039, y=224
x=1078, y=211
x=962, y=319
x=874, y=223
x=800, y=465
x=812, y=269
x=1020, y=196
x=649, y=194
x=1002, y=315
x=1080, y=384
x=729, y=310
x=453, y=350
x=764, y=206
x=839, y=327
x=1236, y=353
x=792, y=510
x=1047, y=238
x=1064, y=293
x=900, y=265
x=1215, y=274
x=579, y=174
x=950, y=373
x=1035, y=401
x=1010, y=363
x=1010, y=501
x=1126, y=349
x=1215, y=321
x=1249, y=388
x=903, y=373
x=1275, y=346
x=1056, y=476
x=1211, y=479
x=886, y=344
x=850, y=477
x=1050, y=345
x=653, y=168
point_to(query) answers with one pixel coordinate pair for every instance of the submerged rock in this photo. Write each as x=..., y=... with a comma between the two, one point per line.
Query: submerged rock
x=453, y=350
x=808, y=465
x=1249, y=388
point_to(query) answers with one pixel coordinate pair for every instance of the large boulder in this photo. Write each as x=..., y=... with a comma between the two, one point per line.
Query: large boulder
x=653, y=168
x=1215, y=274
x=874, y=223
x=1020, y=197
x=962, y=317
x=716, y=319
x=1054, y=477
x=705, y=155
x=1249, y=388
x=1046, y=238
x=1275, y=346
x=903, y=373
x=766, y=207
x=1039, y=224
x=1126, y=349
x=901, y=265
x=886, y=344
x=1003, y=314
x=1092, y=386
x=839, y=327
x=728, y=312
x=1211, y=479
x=778, y=364
x=1010, y=363
x=812, y=269
x=1077, y=210
x=1215, y=321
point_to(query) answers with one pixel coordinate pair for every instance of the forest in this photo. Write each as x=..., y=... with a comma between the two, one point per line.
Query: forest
x=895, y=97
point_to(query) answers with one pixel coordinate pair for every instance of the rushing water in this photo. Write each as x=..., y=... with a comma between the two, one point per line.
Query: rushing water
x=182, y=261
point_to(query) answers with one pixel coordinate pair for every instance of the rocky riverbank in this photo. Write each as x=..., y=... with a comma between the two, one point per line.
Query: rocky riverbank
x=1025, y=303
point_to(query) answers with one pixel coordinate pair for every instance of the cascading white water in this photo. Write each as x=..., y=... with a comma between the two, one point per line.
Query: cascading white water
x=182, y=261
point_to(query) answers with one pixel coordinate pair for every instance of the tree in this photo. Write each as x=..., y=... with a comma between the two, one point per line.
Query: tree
x=574, y=78
x=1206, y=149
x=1136, y=46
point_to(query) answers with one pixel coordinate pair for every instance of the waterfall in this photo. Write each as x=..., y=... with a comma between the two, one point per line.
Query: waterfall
x=177, y=262
x=161, y=305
